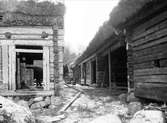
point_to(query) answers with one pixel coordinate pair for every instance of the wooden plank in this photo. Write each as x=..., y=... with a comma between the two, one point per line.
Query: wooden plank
x=26, y=93
x=46, y=75
x=1, y=64
x=28, y=51
x=143, y=65
x=28, y=42
x=147, y=14
x=71, y=102
x=18, y=74
x=154, y=36
x=151, y=78
x=152, y=71
x=26, y=37
x=152, y=43
x=153, y=24
x=151, y=50
x=156, y=91
x=12, y=70
x=5, y=59
x=161, y=55
x=28, y=29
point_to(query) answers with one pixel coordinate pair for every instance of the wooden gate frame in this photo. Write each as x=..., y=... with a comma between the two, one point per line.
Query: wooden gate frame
x=12, y=61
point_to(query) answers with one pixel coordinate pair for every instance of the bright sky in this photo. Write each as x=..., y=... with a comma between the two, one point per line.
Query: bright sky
x=82, y=20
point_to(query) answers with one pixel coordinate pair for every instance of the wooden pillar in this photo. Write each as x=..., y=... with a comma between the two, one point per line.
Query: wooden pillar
x=129, y=51
x=96, y=70
x=46, y=75
x=109, y=66
x=60, y=52
x=18, y=74
x=12, y=67
x=90, y=68
x=5, y=59
x=82, y=73
x=58, y=28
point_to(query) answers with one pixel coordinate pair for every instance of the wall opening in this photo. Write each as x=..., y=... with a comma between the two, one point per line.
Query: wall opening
x=106, y=72
x=93, y=72
x=119, y=67
x=29, y=68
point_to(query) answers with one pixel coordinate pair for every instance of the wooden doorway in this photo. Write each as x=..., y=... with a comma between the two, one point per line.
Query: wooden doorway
x=24, y=61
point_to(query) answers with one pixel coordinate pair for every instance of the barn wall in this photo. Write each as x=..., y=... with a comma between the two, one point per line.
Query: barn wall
x=1, y=78
x=149, y=43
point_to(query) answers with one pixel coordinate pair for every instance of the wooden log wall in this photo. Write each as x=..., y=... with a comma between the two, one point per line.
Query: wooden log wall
x=1, y=75
x=149, y=42
x=21, y=35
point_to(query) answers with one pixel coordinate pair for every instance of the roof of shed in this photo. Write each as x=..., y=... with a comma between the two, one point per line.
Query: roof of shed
x=119, y=15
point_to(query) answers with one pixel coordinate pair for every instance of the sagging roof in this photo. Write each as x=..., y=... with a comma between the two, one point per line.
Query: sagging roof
x=119, y=15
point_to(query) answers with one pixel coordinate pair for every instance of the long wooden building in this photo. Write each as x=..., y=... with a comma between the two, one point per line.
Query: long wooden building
x=129, y=51
x=31, y=51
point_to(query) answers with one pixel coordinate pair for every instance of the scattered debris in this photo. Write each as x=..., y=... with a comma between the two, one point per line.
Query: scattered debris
x=71, y=102
x=49, y=119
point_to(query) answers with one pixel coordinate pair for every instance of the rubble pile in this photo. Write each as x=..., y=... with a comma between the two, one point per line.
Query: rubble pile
x=11, y=112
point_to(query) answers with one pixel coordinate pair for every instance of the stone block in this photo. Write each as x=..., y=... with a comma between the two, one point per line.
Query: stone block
x=122, y=97
x=38, y=99
x=131, y=98
x=133, y=107
x=23, y=103
x=37, y=105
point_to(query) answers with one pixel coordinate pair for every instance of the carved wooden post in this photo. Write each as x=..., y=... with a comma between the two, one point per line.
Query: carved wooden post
x=58, y=38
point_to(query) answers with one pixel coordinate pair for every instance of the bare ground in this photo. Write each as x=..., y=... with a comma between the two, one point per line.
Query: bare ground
x=94, y=102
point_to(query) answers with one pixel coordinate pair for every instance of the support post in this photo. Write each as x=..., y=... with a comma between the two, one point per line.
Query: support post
x=58, y=33
x=109, y=66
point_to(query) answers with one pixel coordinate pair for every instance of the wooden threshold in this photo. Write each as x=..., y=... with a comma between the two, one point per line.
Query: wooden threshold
x=27, y=93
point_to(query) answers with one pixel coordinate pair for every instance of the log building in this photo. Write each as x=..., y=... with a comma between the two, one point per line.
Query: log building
x=129, y=51
x=31, y=51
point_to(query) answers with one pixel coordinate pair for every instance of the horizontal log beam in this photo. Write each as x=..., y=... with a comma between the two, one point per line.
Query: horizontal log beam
x=28, y=51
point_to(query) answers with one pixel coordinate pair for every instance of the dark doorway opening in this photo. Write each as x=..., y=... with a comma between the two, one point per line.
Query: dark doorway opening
x=93, y=72
x=119, y=67
x=106, y=72
x=29, y=70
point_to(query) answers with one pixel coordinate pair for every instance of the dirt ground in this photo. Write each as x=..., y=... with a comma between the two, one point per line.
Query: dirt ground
x=94, y=102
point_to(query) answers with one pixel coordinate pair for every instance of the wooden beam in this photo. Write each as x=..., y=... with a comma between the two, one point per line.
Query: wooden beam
x=18, y=74
x=46, y=75
x=87, y=59
x=28, y=51
x=27, y=42
x=109, y=66
x=5, y=59
x=27, y=29
x=12, y=67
